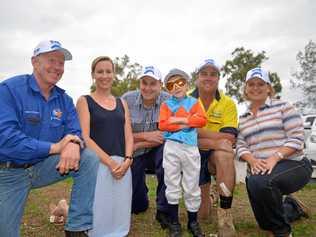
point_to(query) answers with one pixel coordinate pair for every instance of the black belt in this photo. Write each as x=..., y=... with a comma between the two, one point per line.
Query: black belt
x=11, y=165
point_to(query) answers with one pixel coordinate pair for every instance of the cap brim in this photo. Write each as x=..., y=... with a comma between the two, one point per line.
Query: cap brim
x=258, y=77
x=68, y=55
x=208, y=65
x=151, y=76
x=66, y=52
x=178, y=73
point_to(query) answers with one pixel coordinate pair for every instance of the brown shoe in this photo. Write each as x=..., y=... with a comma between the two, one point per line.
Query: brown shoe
x=225, y=224
x=306, y=212
x=58, y=213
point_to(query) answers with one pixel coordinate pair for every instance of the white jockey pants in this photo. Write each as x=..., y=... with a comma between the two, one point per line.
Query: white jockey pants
x=181, y=163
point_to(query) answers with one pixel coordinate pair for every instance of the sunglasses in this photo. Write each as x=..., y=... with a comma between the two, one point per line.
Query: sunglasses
x=179, y=82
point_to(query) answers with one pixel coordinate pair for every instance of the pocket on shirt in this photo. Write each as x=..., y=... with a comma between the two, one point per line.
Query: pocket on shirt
x=32, y=123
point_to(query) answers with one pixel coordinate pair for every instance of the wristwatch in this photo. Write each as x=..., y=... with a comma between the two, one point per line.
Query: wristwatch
x=76, y=142
x=280, y=155
x=128, y=157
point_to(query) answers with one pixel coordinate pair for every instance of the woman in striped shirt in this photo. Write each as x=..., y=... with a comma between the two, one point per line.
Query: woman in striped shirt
x=271, y=141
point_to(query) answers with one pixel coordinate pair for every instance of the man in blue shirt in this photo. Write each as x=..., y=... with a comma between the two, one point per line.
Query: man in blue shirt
x=40, y=139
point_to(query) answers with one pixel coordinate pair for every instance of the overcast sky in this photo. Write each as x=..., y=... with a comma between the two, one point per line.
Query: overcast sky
x=166, y=33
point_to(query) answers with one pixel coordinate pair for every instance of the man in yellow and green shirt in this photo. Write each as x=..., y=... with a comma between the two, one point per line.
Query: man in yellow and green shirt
x=216, y=142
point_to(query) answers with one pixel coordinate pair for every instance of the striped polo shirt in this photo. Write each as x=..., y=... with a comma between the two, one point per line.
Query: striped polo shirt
x=276, y=124
x=143, y=119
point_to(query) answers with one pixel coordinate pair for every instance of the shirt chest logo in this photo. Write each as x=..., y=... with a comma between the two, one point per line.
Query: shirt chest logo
x=215, y=114
x=56, y=114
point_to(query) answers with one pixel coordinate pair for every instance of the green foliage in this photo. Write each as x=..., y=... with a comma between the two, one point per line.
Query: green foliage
x=121, y=86
x=305, y=77
x=126, y=75
x=276, y=83
x=92, y=88
x=193, y=79
x=235, y=71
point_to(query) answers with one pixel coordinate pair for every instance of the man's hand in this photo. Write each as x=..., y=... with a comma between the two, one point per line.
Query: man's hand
x=56, y=148
x=178, y=120
x=148, y=139
x=69, y=158
x=154, y=136
x=204, y=133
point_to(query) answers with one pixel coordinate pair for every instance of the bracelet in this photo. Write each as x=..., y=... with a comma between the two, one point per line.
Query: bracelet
x=280, y=155
x=128, y=157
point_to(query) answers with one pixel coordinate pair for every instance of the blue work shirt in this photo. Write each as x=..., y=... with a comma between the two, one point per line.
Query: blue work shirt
x=29, y=123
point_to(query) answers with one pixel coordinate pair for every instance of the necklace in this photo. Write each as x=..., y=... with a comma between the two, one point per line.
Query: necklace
x=107, y=102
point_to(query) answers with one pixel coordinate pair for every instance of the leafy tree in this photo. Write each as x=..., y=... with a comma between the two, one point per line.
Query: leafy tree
x=126, y=75
x=125, y=69
x=305, y=77
x=276, y=83
x=193, y=79
x=235, y=71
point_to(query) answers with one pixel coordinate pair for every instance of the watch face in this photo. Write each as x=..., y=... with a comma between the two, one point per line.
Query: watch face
x=280, y=155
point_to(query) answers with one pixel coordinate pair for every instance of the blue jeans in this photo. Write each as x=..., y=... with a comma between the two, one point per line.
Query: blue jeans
x=15, y=185
x=265, y=193
x=140, y=201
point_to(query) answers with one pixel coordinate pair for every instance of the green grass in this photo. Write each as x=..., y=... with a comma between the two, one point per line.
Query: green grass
x=36, y=217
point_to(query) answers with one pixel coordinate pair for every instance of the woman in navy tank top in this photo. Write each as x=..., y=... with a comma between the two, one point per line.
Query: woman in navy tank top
x=106, y=129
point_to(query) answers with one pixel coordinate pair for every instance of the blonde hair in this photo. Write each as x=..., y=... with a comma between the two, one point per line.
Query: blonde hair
x=93, y=66
x=100, y=59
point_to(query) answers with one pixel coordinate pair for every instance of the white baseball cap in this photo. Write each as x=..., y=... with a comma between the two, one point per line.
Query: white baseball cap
x=151, y=71
x=49, y=46
x=208, y=62
x=258, y=73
